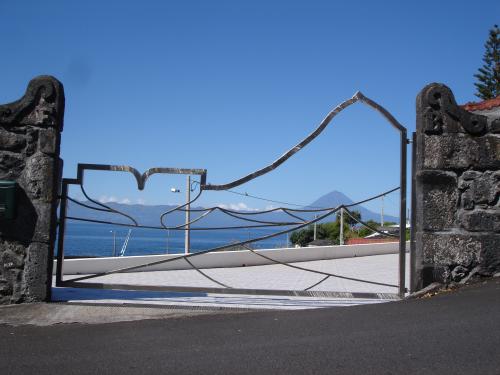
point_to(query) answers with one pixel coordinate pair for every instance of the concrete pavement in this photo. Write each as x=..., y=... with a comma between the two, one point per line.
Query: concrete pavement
x=332, y=292
x=378, y=268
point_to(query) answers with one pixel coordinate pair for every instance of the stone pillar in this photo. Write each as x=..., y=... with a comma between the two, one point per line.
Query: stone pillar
x=457, y=212
x=30, y=134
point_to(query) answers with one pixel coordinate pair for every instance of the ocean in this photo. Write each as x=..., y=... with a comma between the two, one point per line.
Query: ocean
x=96, y=240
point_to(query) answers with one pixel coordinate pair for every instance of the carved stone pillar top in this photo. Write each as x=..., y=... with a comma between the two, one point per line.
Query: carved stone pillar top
x=457, y=189
x=440, y=113
x=42, y=105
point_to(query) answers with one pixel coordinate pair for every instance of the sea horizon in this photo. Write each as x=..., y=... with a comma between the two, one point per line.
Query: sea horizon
x=97, y=240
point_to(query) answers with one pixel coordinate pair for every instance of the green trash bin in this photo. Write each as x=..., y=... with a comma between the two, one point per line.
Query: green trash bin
x=7, y=199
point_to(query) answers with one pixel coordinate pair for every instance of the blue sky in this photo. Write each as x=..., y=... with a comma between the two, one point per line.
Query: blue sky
x=231, y=85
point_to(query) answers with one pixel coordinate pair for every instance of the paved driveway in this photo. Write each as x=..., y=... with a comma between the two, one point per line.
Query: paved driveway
x=453, y=333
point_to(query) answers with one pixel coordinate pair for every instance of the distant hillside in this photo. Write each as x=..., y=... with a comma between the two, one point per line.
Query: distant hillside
x=336, y=198
x=150, y=215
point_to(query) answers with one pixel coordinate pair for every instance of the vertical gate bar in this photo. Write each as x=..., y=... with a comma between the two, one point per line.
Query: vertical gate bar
x=62, y=227
x=413, y=258
x=402, y=216
x=187, y=234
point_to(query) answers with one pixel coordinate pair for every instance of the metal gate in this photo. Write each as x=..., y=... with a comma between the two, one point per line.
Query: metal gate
x=250, y=218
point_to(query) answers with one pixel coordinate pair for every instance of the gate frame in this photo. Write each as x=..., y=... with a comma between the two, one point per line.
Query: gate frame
x=141, y=179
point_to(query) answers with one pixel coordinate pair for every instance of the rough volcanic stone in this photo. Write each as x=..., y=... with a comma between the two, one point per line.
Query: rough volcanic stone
x=11, y=141
x=11, y=165
x=438, y=113
x=460, y=152
x=481, y=220
x=43, y=228
x=11, y=260
x=457, y=190
x=495, y=126
x=32, y=137
x=42, y=114
x=29, y=155
x=458, y=273
x=445, y=249
x=5, y=290
x=39, y=176
x=440, y=199
x=10, y=285
x=35, y=282
x=491, y=252
x=479, y=188
x=47, y=141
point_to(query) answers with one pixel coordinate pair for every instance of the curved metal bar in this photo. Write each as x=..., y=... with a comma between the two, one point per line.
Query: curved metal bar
x=316, y=284
x=358, y=96
x=205, y=275
x=214, y=249
x=194, y=220
x=317, y=209
x=253, y=212
x=372, y=198
x=232, y=211
x=87, y=206
x=178, y=227
x=294, y=216
x=177, y=208
x=286, y=264
x=320, y=272
x=194, y=209
x=140, y=178
x=257, y=221
x=109, y=208
x=112, y=223
x=228, y=212
x=219, y=248
x=381, y=110
x=290, y=152
x=369, y=226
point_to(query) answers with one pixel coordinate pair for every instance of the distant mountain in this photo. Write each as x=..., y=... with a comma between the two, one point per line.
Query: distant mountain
x=336, y=198
x=150, y=215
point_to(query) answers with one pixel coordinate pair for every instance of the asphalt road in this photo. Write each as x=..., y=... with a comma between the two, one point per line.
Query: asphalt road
x=453, y=333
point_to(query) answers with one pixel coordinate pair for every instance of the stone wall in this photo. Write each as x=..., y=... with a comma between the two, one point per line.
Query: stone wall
x=29, y=154
x=457, y=211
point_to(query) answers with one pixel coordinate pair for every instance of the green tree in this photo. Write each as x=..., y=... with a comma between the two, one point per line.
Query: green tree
x=348, y=219
x=488, y=85
x=364, y=231
x=330, y=230
x=302, y=237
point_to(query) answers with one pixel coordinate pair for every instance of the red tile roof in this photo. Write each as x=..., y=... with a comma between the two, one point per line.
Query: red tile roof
x=482, y=106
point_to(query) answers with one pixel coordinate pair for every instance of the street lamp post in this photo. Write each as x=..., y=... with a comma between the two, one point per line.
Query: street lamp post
x=315, y=229
x=341, y=241
x=168, y=239
x=382, y=213
x=187, y=232
x=114, y=241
